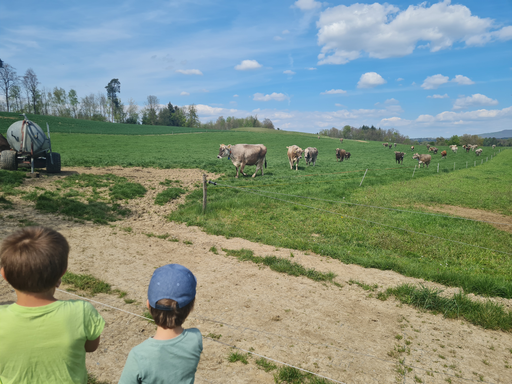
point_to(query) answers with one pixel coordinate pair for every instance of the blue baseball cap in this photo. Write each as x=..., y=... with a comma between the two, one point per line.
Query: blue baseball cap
x=172, y=281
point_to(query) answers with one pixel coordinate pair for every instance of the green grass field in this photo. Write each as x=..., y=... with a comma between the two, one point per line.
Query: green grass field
x=67, y=125
x=313, y=209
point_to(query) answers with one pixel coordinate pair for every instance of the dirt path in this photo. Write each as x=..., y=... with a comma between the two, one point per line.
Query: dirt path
x=340, y=333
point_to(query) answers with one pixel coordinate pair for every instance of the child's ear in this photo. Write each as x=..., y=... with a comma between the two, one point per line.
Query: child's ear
x=3, y=273
x=147, y=304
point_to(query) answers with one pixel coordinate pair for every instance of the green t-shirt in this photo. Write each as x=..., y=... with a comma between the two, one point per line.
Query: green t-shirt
x=171, y=361
x=46, y=344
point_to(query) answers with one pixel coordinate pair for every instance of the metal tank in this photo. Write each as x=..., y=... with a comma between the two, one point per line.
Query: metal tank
x=29, y=147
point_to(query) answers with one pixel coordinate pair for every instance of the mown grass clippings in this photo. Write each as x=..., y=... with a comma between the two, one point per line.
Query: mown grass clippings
x=365, y=286
x=238, y=356
x=27, y=223
x=214, y=250
x=168, y=195
x=167, y=182
x=95, y=211
x=487, y=314
x=215, y=336
x=280, y=265
x=265, y=364
x=130, y=301
x=87, y=283
x=91, y=379
x=5, y=204
x=291, y=375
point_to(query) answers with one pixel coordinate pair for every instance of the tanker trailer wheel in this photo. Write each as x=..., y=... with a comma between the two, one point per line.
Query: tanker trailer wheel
x=8, y=160
x=55, y=167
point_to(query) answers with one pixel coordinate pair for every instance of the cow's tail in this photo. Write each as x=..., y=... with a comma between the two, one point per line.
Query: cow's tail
x=265, y=162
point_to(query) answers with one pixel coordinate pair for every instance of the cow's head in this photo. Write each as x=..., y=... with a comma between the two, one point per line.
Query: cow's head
x=416, y=156
x=298, y=153
x=224, y=151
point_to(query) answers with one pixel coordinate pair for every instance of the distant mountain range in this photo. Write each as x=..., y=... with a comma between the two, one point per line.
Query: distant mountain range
x=505, y=134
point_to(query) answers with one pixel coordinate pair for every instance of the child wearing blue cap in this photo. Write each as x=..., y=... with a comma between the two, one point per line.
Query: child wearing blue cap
x=172, y=355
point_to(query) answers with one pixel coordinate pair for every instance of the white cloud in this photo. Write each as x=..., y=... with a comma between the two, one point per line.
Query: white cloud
x=432, y=82
x=184, y=93
x=307, y=5
x=333, y=92
x=285, y=32
x=311, y=69
x=462, y=80
x=475, y=100
x=273, y=96
x=235, y=95
x=339, y=105
x=278, y=38
x=399, y=79
x=247, y=65
x=383, y=30
x=190, y=71
x=392, y=101
x=370, y=80
x=445, y=96
x=288, y=72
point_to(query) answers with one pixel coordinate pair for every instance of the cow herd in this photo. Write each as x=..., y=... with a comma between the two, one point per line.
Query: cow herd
x=255, y=154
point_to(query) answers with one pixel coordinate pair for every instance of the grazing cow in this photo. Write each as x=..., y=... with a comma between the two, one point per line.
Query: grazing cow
x=341, y=140
x=468, y=148
x=340, y=154
x=473, y=147
x=443, y=155
x=245, y=154
x=479, y=151
x=385, y=144
x=390, y=146
x=435, y=150
x=347, y=155
x=294, y=155
x=399, y=157
x=453, y=148
x=310, y=154
x=422, y=159
x=319, y=137
x=412, y=147
x=395, y=145
x=494, y=146
x=428, y=147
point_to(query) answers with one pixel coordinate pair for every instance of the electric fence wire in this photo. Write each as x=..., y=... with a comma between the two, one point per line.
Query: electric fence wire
x=368, y=206
x=370, y=221
x=216, y=341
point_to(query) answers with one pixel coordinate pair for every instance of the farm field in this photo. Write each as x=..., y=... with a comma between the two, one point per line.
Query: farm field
x=346, y=328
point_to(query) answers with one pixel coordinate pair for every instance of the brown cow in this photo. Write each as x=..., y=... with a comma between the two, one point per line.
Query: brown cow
x=340, y=154
x=399, y=157
x=347, y=155
x=294, y=155
x=385, y=144
x=245, y=154
x=422, y=159
x=395, y=145
x=412, y=147
x=341, y=140
x=443, y=155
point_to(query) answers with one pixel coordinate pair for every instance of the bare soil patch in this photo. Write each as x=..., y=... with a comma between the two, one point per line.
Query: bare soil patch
x=497, y=220
x=344, y=333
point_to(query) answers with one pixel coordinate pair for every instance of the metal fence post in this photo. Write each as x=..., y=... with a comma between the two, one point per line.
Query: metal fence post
x=204, y=193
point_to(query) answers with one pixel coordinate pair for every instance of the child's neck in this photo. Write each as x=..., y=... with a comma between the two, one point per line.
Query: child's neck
x=31, y=299
x=167, y=334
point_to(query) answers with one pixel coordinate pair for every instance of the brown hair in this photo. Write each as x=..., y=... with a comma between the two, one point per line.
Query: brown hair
x=34, y=258
x=173, y=318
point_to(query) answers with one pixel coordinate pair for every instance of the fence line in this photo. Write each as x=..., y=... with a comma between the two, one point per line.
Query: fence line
x=369, y=206
x=209, y=338
x=377, y=223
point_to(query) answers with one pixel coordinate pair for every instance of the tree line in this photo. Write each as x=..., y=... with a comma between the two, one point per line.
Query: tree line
x=23, y=94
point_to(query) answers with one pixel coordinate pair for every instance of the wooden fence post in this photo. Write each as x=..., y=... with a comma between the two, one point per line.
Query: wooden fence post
x=204, y=193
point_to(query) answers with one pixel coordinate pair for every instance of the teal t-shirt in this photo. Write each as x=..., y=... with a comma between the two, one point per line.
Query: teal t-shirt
x=46, y=344
x=171, y=361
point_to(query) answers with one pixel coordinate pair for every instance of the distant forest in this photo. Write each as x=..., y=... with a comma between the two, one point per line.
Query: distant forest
x=23, y=94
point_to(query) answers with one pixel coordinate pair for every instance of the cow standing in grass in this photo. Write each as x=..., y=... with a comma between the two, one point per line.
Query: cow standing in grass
x=294, y=155
x=310, y=154
x=399, y=157
x=245, y=154
x=443, y=155
x=340, y=154
x=422, y=159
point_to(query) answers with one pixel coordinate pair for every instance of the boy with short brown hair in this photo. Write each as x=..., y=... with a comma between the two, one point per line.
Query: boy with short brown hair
x=172, y=355
x=43, y=340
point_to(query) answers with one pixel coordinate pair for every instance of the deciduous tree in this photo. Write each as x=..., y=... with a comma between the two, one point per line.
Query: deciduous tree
x=8, y=78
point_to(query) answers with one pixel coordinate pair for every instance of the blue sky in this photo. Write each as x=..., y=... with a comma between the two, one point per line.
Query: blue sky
x=426, y=69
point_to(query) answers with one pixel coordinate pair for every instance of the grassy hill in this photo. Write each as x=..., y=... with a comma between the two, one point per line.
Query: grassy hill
x=67, y=125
